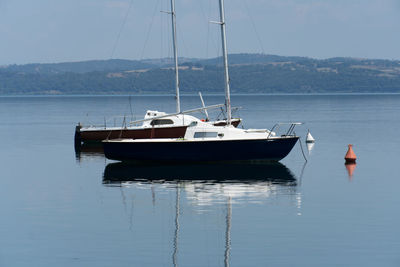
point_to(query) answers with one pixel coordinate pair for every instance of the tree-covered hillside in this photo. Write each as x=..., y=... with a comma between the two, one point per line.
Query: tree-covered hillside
x=250, y=73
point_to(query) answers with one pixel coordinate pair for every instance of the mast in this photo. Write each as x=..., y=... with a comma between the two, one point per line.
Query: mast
x=173, y=19
x=225, y=54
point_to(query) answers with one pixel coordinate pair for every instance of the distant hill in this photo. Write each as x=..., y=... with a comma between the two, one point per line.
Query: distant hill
x=249, y=73
x=81, y=67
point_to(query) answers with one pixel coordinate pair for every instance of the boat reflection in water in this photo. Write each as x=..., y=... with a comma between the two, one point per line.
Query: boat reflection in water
x=207, y=184
x=234, y=172
x=204, y=185
x=88, y=151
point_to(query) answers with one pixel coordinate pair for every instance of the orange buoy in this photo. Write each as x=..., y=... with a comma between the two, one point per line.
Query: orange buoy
x=350, y=155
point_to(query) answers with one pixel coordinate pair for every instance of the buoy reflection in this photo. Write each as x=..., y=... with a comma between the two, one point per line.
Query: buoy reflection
x=310, y=147
x=350, y=167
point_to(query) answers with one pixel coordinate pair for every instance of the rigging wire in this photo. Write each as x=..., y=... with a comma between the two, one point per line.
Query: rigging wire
x=168, y=30
x=161, y=30
x=136, y=75
x=206, y=19
x=217, y=34
x=169, y=42
x=254, y=26
x=121, y=29
x=149, y=29
x=182, y=39
x=130, y=107
x=165, y=28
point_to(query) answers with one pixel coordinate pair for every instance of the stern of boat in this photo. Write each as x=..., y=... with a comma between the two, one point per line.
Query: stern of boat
x=78, y=136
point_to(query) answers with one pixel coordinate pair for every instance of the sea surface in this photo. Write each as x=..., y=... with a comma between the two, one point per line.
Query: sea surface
x=60, y=207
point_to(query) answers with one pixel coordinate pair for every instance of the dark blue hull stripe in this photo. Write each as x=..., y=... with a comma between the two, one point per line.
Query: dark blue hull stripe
x=233, y=150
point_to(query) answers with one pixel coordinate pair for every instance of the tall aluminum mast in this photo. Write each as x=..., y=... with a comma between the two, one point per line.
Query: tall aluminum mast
x=225, y=53
x=178, y=103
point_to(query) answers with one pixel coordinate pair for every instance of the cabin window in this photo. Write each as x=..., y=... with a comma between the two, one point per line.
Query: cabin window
x=205, y=134
x=161, y=122
x=193, y=123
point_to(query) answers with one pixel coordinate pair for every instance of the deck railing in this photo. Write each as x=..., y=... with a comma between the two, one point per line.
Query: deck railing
x=289, y=133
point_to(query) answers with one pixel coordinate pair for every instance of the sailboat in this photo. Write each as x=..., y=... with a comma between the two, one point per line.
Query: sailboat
x=206, y=142
x=155, y=124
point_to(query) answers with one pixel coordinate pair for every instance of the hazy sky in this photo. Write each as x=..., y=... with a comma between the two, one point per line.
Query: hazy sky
x=74, y=30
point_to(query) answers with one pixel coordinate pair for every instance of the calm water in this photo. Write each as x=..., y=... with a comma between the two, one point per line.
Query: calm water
x=63, y=209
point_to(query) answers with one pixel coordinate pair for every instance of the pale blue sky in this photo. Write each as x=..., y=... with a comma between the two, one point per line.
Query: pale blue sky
x=71, y=30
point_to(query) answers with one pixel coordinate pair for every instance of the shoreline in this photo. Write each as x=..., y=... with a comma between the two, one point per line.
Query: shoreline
x=196, y=95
